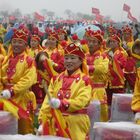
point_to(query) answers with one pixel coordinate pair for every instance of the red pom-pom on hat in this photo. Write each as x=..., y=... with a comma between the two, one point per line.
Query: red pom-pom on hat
x=75, y=37
x=64, y=43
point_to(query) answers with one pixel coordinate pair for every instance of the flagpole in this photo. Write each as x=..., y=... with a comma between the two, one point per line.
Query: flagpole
x=121, y=15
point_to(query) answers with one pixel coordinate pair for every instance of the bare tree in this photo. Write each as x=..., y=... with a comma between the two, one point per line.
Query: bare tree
x=79, y=15
x=51, y=15
x=4, y=14
x=69, y=13
x=17, y=13
x=44, y=12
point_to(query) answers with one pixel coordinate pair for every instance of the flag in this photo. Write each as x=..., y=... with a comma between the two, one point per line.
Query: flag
x=133, y=19
x=12, y=17
x=126, y=7
x=99, y=18
x=38, y=16
x=95, y=11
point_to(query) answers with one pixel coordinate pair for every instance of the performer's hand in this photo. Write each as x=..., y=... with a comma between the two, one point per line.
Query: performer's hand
x=138, y=64
x=55, y=103
x=137, y=118
x=111, y=54
x=124, y=45
x=42, y=58
x=40, y=130
x=6, y=94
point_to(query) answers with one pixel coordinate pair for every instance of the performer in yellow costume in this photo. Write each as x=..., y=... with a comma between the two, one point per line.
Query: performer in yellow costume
x=136, y=97
x=71, y=94
x=117, y=62
x=18, y=74
x=98, y=62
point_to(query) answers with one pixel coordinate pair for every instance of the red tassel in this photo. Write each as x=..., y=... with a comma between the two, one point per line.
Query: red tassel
x=46, y=129
x=1, y=106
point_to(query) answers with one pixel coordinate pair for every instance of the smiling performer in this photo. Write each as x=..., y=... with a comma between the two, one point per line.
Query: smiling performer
x=71, y=94
x=18, y=74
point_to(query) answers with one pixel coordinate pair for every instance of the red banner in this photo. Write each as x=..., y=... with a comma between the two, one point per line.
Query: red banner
x=133, y=19
x=126, y=7
x=38, y=16
x=99, y=18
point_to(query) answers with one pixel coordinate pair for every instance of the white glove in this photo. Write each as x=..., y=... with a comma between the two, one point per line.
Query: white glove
x=42, y=58
x=137, y=116
x=55, y=103
x=53, y=63
x=5, y=94
x=40, y=130
x=125, y=46
x=111, y=54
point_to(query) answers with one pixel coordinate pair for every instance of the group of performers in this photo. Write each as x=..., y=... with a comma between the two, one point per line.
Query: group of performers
x=59, y=79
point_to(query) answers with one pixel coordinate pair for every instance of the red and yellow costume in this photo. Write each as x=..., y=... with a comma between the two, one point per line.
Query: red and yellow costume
x=45, y=72
x=18, y=74
x=130, y=68
x=2, y=54
x=54, y=54
x=116, y=79
x=74, y=92
x=98, y=68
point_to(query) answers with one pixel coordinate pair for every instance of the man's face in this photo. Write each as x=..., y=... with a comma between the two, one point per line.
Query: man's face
x=18, y=46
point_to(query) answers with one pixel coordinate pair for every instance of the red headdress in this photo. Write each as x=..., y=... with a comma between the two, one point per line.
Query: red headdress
x=21, y=34
x=74, y=49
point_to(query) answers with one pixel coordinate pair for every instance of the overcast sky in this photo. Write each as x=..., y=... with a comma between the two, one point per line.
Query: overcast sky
x=111, y=8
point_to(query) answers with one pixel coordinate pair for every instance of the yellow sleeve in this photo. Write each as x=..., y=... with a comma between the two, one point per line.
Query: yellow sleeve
x=82, y=98
x=45, y=112
x=101, y=65
x=1, y=85
x=2, y=50
x=28, y=78
x=136, y=97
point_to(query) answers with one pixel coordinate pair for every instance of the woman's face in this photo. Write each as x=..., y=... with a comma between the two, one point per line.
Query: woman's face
x=18, y=46
x=127, y=37
x=93, y=45
x=34, y=43
x=72, y=63
x=61, y=37
x=113, y=44
x=52, y=42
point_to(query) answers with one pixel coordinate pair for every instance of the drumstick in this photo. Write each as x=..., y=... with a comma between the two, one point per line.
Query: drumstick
x=45, y=87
